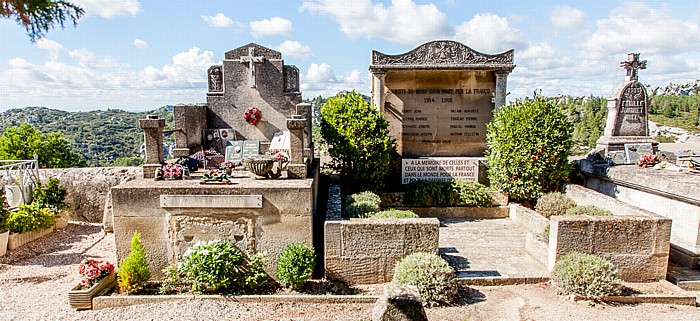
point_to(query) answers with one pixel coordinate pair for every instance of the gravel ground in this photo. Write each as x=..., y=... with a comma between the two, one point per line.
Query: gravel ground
x=35, y=279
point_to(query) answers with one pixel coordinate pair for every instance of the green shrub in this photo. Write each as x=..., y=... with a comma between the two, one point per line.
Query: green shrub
x=173, y=281
x=362, y=204
x=431, y=274
x=29, y=218
x=586, y=275
x=455, y=193
x=392, y=213
x=218, y=266
x=295, y=265
x=529, y=142
x=554, y=203
x=590, y=210
x=358, y=141
x=51, y=196
x=4, y=210
x=133, y=269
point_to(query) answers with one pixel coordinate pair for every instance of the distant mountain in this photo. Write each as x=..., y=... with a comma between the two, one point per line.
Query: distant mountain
x=103, y=137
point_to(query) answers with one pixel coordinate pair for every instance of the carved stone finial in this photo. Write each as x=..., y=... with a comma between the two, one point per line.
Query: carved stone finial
x=633, y=65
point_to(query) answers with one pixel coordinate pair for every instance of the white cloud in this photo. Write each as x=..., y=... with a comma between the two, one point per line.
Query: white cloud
x=636, y=27
x=275, y=26
x=322, y=80
x=490, y=33
x=140, y=44
x=294, y=49
x=55, y=48
x=218, y=21
x=563, y=16
x=91, y=82
x=110, y=8
x=403, y=21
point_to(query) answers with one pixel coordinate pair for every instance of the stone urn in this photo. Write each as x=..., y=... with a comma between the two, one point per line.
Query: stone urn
x=261, y=165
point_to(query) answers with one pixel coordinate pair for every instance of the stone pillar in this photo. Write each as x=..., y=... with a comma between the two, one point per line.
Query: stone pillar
x=501, y=86
x=378, y=98
x=306, y=111
x=190, y=120
x=153, y=139
x=297, y=167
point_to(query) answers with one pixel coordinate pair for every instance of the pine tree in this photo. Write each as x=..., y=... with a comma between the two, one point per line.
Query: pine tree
x=133, y=273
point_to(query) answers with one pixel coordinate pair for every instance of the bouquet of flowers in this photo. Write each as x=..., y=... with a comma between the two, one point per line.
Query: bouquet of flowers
x=172, y=170
x=252, y=115
x=227, y=164
x=282, y=154
x=648, y=160
x=93, y=271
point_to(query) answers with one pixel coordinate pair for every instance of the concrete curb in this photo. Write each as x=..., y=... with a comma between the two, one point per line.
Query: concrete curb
x=116, y=301
x=672, y=295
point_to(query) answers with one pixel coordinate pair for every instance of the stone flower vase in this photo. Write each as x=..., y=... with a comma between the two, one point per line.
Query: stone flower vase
x=82, y=299
x=4, y=236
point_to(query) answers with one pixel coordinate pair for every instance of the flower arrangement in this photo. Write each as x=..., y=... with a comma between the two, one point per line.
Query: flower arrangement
x=172, y=171
x=201, y=154
x=93, y=271
x=282, y=154
x=252, y=115
x=227, y=164
x=648, y=160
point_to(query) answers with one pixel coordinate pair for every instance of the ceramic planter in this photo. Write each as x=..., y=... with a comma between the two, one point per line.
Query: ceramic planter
x=3, y=242
x=19, y=239
x=82, y=299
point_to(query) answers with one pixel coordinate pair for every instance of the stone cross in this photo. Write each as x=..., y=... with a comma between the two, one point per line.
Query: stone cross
x=633, y=65
x=251, y=60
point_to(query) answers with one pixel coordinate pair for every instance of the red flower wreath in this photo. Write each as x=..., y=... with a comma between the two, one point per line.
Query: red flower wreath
x=252, y=115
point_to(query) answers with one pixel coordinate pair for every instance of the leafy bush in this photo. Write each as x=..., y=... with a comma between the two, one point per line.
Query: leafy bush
x=362, y=204
x=358, y=141
x=51, y=196
x=455, y=193
x=295, y=265
x=133, y=269
x=23, y=142
x=29, y=218
x=4, y=209
x=392, y=213
x=218, y=266
x=586, y=275
x=590, y=210
x=529, y=142
x=173, y=281
x=554, y=203
x=431, y=274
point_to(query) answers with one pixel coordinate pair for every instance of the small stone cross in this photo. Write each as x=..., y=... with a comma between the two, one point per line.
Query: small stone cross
x=633, y=65
x=251, y=60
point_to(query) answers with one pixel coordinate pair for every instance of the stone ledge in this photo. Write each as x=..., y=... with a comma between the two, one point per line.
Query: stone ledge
x=116, y=301
x=502, y=280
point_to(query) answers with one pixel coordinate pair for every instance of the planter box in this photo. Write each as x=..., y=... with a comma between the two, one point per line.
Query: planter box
x=3, y=242
x=82, y=299
x=17, y=240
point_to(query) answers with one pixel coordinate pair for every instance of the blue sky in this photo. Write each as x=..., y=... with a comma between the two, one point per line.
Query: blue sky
x=139, y=55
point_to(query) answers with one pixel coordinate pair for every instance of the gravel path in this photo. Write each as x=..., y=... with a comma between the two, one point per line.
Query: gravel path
x=35, y=279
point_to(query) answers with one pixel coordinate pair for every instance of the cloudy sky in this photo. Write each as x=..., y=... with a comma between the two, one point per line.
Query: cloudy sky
x=139, y=55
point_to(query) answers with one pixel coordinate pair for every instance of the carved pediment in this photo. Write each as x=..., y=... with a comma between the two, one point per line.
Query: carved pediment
x=261, y=51
x=443, y=53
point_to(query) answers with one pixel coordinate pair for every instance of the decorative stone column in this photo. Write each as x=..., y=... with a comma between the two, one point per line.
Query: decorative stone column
x=153, y=139
x=306, y=111
x=378, y=89
x=296, y=168
x=501, y=86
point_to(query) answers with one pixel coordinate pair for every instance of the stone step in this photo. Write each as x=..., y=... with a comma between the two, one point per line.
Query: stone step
x=685, y=278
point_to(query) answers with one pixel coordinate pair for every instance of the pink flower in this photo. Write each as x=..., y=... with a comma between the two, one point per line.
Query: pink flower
x=81, y=269
x=85, y=282
x=92, y=273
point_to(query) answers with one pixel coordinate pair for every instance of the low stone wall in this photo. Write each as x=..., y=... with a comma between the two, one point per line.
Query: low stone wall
x=672, y=195
x=365, y=251
x=88, y=187
x=636, y=241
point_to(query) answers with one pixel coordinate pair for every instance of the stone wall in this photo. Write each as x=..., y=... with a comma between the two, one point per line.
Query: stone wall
x=88, y=187
x=365, y=251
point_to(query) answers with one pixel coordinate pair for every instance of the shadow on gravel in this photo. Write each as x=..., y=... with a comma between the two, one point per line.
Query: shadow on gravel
x=469, y=296
x=46, y=251
x=456, y=262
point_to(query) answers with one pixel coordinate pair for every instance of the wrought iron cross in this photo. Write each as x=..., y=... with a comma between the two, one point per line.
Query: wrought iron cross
x=251, y=60
x=633, y=65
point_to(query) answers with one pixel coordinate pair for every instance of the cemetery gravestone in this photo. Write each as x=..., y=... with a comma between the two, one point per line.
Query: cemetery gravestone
x=438, y=99
x=627, y=121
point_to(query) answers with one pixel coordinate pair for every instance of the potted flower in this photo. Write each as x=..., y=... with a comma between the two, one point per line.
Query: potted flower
x=172, y=171
x=98, y=277
x=252, y=115
x=645, y=161
x=227, y=166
